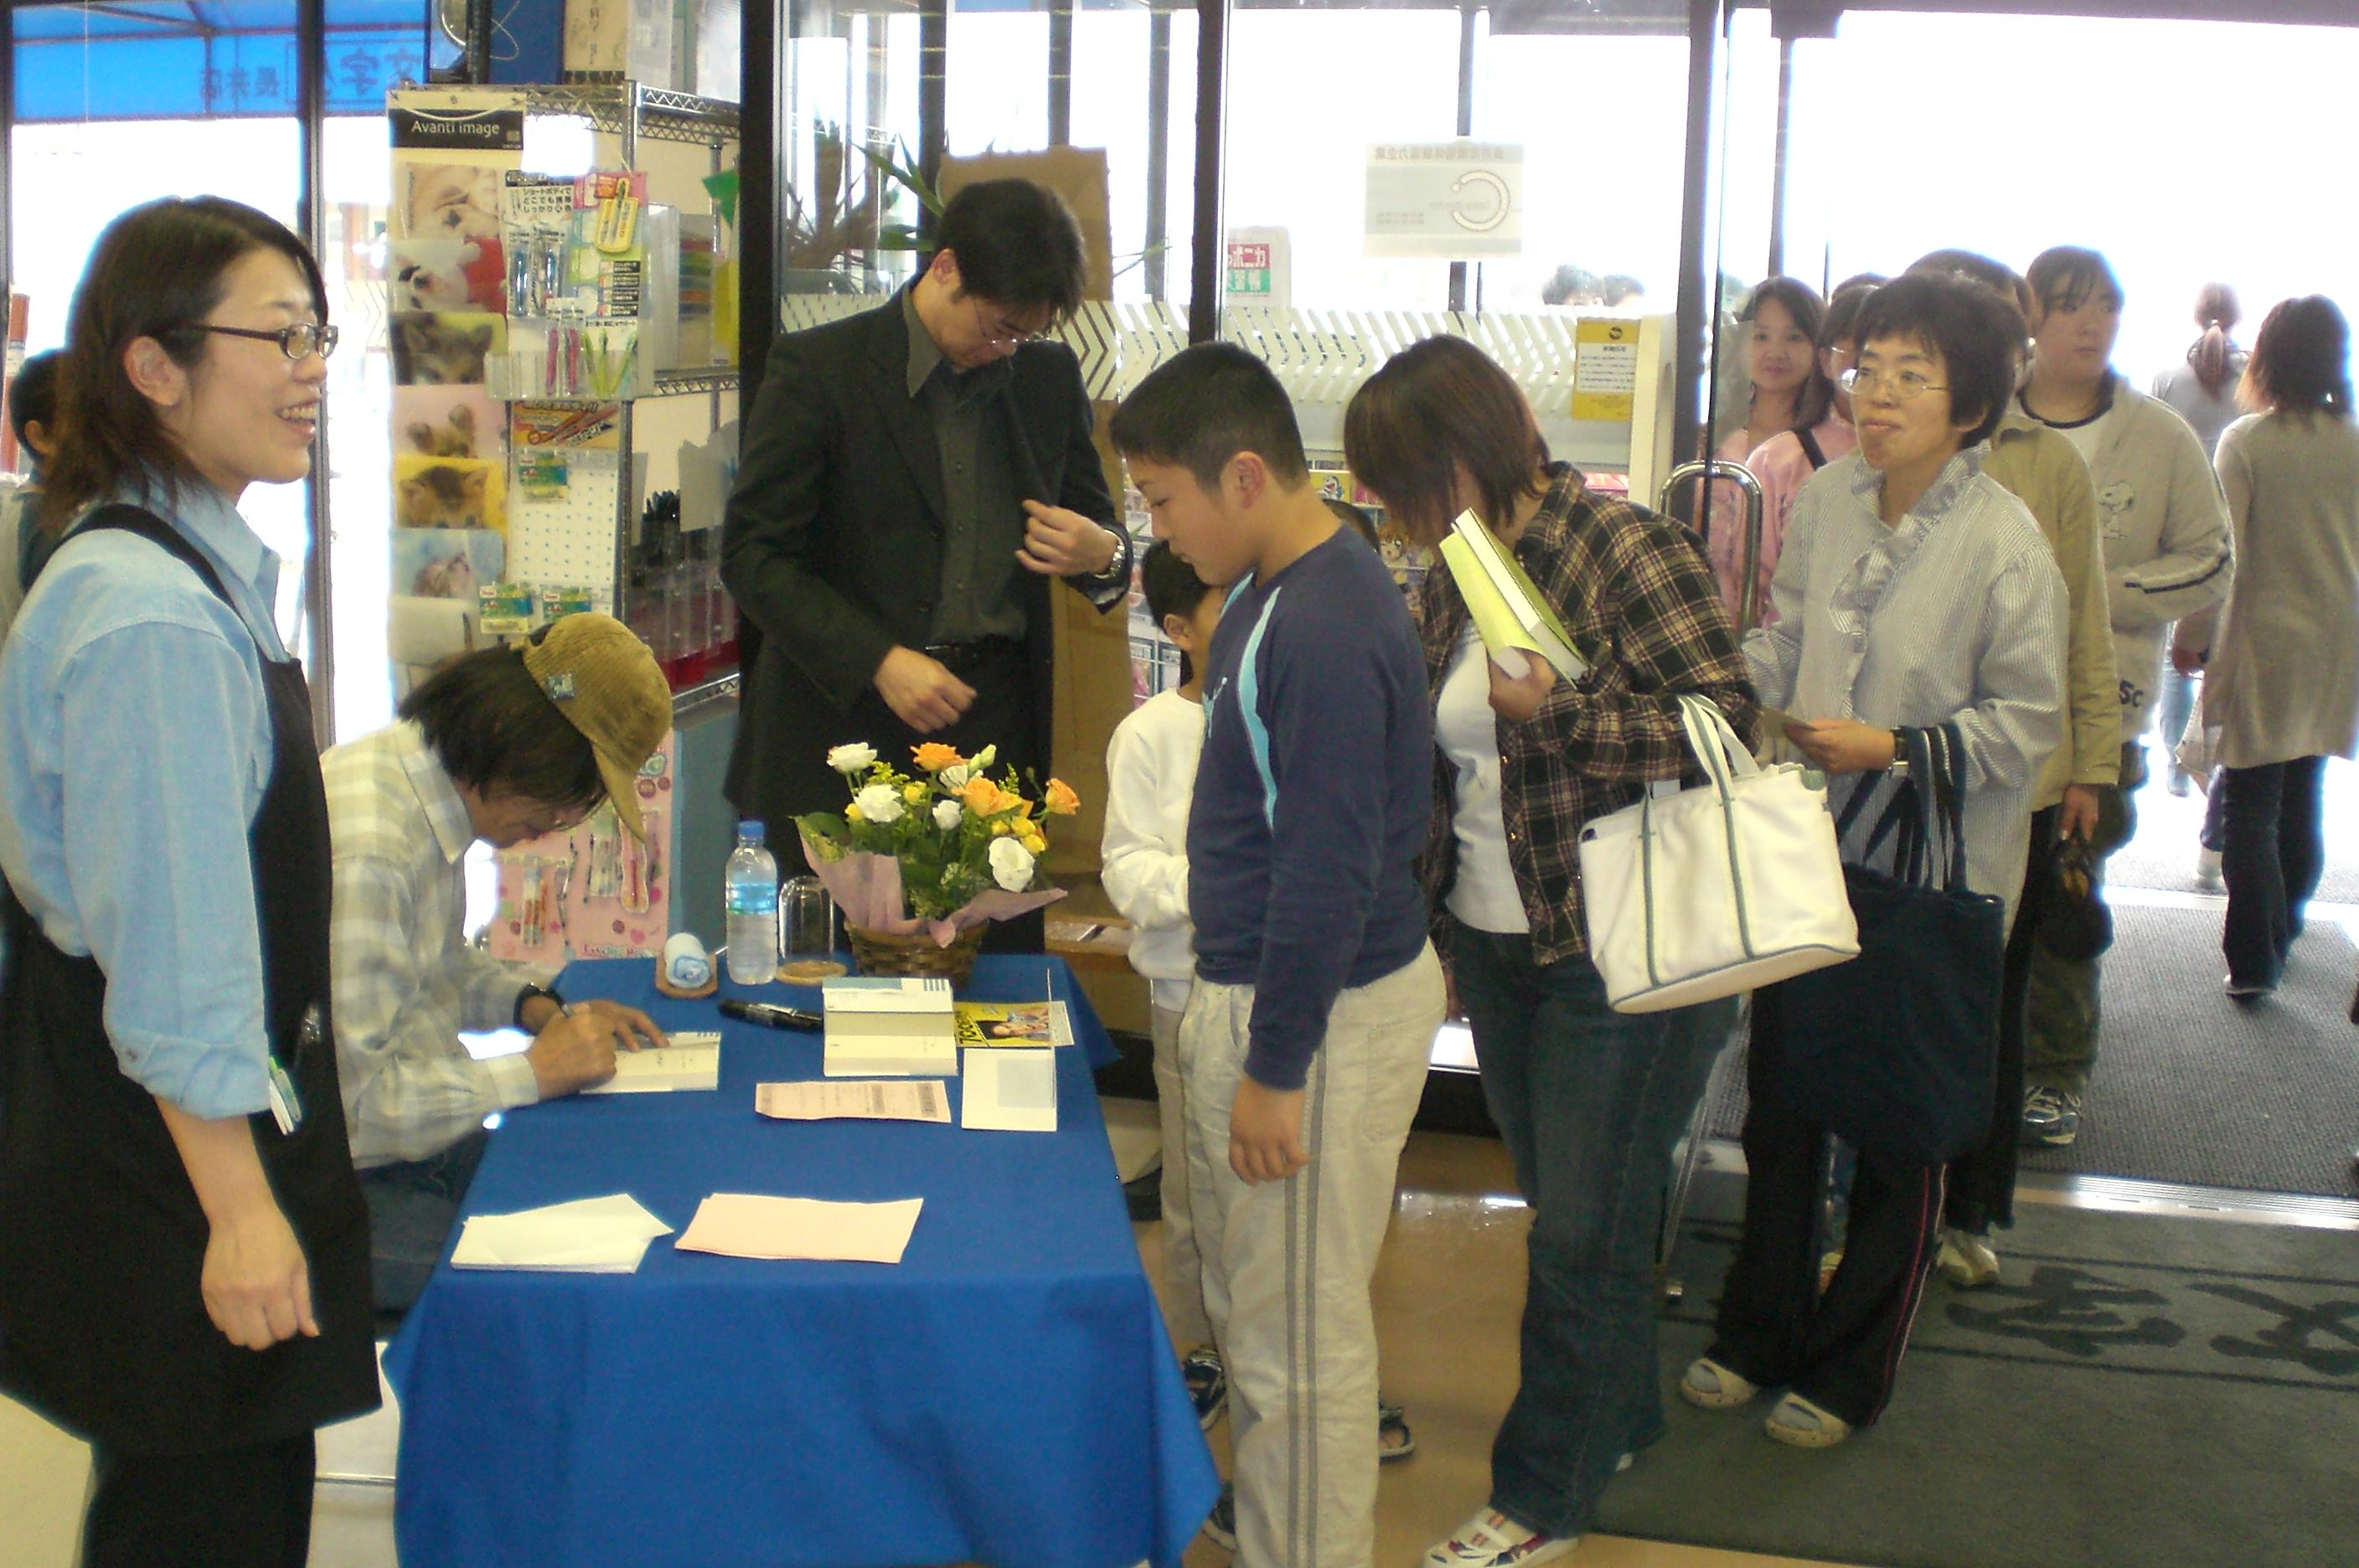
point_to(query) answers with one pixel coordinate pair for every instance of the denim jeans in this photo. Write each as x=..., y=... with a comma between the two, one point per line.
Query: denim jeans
x=1589, y=1103
x=412, y=1205
x=2272, y=852
x=2171, y=713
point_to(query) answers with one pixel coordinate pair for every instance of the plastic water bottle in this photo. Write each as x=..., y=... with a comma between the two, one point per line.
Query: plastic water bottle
x=751, y=884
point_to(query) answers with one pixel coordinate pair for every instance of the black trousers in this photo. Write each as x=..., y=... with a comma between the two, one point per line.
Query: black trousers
x=244, y=1507
x=1981, y=1183
x=2272, y=854
x=1840, y=1351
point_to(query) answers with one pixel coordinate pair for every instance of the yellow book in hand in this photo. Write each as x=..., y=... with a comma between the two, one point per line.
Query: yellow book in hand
x=1508, y=608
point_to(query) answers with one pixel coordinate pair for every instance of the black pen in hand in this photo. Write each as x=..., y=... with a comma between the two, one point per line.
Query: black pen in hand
x=770, y=1016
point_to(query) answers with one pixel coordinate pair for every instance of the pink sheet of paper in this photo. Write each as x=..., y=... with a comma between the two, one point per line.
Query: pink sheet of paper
x=747, y=1224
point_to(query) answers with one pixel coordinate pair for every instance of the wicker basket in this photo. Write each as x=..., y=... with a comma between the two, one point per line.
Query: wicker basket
x=883, y=952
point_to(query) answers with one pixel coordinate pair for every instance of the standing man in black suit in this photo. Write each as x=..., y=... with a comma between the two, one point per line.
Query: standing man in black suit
x=912, y=478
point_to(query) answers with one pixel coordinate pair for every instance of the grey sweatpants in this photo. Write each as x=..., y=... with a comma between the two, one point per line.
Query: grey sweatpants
x=1287, y=1265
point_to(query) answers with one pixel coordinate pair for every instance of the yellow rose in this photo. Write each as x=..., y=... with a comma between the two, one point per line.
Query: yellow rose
x=933, y=756
x=914, y=793
x=851, y=815
x=1061, y=801
x=1002, y=828
x=1033, y=842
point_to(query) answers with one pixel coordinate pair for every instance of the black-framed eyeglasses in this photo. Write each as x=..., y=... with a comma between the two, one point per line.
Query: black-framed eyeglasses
x=301, y=340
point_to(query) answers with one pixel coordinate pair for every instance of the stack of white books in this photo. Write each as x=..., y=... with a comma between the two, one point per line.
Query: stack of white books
x=886, y=1027
x=589, y=1235
x=690, y=1061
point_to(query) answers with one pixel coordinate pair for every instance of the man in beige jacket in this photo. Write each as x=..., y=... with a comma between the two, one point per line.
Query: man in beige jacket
x=2043, y=470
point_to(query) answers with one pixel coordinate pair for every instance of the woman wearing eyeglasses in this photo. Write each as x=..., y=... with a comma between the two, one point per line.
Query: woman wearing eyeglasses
x=184, y=1247
x=1912, y=591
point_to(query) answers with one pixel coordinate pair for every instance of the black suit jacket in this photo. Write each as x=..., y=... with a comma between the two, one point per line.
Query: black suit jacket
x=833, y=544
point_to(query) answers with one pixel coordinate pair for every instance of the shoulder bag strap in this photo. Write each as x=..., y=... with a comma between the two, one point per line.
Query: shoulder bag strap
x=1810, y=448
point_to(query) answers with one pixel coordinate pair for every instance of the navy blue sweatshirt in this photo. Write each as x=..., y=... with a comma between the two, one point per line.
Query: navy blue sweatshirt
x=1311, y=798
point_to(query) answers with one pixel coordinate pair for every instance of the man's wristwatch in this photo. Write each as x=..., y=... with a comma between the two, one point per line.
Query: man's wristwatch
x=1120, y=565
x=528, y=994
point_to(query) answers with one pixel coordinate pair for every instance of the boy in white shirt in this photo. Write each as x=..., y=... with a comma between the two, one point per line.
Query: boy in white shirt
x=1150, y=777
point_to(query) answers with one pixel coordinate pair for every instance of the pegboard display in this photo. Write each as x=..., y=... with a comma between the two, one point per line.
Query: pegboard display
x=590, y=891
x=571, y=538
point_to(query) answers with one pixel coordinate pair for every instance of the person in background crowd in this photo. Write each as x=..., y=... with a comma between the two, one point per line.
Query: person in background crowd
x=1620, y=291
x=1913, y=591
x=914, y=478
x=25, y=544
x=1302, y=1052
x=2040, y=469
x=1589, y=1101
x=183, y=1248
x=1780, y=326
x=1572, y=285
x=2164, y=530
x=2281, y=687
x=498, y=746
x=1785, y=461
x=2203, y=390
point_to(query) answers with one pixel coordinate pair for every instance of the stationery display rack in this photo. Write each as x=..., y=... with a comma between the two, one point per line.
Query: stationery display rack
x=633, y=114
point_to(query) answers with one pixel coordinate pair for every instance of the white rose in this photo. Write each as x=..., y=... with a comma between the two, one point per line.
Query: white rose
x=854, y=758
x=982, y=760
x=947, y=814
x=955, y=775
x=1011, y=864
x=880, y=803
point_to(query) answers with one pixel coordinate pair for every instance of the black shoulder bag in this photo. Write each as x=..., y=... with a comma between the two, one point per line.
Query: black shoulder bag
x=1896, y=1051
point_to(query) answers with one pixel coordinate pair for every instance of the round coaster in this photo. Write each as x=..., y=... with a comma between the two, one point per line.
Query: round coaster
x=810, y=971
x=663, y=983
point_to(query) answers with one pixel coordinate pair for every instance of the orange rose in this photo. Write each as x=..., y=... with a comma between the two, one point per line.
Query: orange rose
x=933, y=756
x=985, y=798
x=1061, y=801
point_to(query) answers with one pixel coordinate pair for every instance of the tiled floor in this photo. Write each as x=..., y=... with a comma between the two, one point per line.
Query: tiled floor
x=1447, y=1293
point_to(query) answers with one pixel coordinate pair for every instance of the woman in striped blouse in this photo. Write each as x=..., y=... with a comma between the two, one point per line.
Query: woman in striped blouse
x=1912, y=591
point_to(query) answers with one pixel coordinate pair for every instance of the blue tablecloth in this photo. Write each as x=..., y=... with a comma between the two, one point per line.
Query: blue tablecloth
x=1005, y=1395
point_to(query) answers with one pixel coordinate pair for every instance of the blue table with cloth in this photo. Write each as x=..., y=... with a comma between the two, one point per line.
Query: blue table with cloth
x=1006, y=1394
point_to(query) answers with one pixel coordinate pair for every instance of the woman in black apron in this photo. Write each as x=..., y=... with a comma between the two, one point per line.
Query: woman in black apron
x=184, y=1247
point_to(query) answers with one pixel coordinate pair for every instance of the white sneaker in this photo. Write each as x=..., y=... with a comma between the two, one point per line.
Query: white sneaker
x=1797, y=1421
x=1709, y=1386
x=2207, y=870
x=1966, y=1261
x=1491, y=1540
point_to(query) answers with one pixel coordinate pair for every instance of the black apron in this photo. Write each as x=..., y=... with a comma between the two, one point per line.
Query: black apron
x=102, y=1323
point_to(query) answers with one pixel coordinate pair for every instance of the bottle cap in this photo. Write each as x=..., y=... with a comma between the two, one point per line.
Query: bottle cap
x=750, y=828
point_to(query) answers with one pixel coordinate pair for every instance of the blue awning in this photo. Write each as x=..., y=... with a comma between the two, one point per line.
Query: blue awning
x=193, y=59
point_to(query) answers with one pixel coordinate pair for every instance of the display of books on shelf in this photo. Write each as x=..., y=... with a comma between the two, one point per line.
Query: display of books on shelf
x=1014, y=1023
x=879, y=1026
x=690, y=1061
x=1510, y=611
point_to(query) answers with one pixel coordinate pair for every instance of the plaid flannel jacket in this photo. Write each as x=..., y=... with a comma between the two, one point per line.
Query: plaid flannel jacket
x=1640, y=601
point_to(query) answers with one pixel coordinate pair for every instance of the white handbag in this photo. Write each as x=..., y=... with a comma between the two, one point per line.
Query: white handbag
x=1707, y=892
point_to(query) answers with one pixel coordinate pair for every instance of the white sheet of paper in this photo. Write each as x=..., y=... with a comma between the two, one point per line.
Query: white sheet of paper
x=840, y=1099
x=692, y=1061
x=747, y=1224
x=590, y=1235
x=1010, y=1091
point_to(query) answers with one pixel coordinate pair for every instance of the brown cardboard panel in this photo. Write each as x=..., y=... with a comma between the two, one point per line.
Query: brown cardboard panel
x=1077, y=174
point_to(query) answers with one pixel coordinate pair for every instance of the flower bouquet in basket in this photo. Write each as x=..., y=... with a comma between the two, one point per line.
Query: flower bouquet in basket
x=919, y=864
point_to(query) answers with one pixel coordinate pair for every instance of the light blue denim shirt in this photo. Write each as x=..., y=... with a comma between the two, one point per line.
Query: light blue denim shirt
x=135, y=746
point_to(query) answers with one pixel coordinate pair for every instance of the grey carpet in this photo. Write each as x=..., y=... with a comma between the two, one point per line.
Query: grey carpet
x=2140, y=1391
x=2191, y=1087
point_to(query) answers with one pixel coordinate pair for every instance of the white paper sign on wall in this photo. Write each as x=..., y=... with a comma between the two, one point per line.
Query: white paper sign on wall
x=1456, y=201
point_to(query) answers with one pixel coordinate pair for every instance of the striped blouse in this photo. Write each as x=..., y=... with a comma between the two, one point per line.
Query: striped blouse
x=1954, y=615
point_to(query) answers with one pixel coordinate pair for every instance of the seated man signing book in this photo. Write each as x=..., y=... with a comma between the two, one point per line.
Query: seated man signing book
x=503, y=745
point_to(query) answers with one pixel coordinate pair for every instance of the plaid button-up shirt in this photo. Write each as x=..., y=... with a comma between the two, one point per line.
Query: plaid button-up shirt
x=1640, y=599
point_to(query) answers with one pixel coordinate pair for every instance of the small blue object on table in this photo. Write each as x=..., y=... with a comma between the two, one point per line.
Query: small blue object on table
x=1006, y=1394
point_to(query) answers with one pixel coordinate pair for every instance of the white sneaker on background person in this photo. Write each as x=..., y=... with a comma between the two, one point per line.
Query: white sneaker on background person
x=2207, y=870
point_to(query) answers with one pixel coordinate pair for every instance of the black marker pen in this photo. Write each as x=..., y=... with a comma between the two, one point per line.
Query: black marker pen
x=769, y=1015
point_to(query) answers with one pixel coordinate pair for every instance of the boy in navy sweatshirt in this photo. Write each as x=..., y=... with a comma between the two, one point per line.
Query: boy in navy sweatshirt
x=1303, y=1048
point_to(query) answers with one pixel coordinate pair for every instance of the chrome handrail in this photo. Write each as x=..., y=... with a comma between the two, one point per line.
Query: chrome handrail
x=1749, y=611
